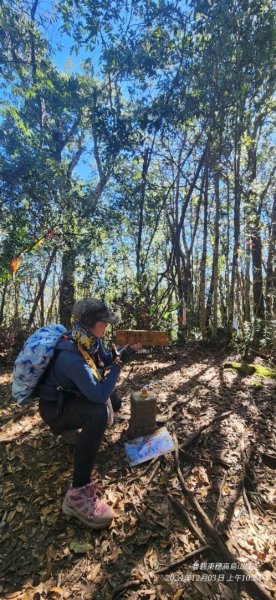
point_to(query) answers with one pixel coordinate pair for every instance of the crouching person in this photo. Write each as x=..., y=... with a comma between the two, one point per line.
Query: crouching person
x=75, y=395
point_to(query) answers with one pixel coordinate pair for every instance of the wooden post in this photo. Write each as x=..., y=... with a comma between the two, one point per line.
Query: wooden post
x=143, y=414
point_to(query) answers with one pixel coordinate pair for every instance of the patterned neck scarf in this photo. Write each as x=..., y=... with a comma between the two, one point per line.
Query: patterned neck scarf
x=90, y=362
x=88, y=346
x=85, y=339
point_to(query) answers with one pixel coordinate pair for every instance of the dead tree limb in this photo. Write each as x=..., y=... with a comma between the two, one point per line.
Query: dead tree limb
x=17, y=415
x=185, y=519
x=125, y=586
x=251, y=586
x=144, y=471
x=185, y=558
x=219, y=499
x=247, y=503
x=154, y=472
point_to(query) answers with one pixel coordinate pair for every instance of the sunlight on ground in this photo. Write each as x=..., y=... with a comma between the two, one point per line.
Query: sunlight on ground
x=5, y=378
x=13, y=430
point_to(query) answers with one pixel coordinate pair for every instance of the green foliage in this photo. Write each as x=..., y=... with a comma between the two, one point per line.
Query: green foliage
x=161, y=83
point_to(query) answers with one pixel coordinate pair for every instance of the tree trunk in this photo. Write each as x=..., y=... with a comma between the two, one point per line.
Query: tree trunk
x=180, y=269
x=247, y=307
x=190, y=274
x=179, y=257
x=256, y=246
x=223, y=308
x=237, y=227
x=2, y=307
x=212, y=301
x=227, y=254
x=41, y=320
x=215, y=257
x=55, y=291
x=271, y=269
x=16, y=316
x=67, y=289
x=202, y=285
x=139, y=261
x=41, y=287
x=257, y=277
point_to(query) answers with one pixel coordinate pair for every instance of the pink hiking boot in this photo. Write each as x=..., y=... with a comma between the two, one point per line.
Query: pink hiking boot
x=83, y=504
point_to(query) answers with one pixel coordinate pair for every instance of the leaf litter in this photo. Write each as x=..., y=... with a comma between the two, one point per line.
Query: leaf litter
x=46, y=555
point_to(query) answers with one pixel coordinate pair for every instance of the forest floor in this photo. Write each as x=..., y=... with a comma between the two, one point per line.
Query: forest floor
x=229, y=469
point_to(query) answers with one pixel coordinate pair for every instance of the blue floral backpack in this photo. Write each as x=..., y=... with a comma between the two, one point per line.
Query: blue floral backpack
x=33, y=360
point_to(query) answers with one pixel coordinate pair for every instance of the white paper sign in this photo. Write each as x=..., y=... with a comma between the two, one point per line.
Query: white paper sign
x=149, y=446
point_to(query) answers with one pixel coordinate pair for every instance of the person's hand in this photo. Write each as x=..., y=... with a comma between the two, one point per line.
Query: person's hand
x=116, y=356
x=136, y=347
x=125, y=353
x=129, y=350
x=122, y=356
x=115, y=352
x=117, y=361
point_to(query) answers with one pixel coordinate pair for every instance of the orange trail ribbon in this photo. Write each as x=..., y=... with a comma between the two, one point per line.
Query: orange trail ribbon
x=15, y=263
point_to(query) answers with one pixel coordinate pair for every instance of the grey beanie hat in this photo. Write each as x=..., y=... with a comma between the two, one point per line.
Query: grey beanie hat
x=90, y=310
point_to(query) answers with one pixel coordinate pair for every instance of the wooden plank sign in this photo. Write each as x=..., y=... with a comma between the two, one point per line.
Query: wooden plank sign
x=144, y=336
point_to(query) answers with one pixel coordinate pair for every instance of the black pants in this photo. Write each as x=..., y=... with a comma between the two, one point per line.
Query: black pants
x=91, y=418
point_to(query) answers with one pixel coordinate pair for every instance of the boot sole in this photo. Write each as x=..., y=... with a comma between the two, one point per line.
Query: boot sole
x=96, y=525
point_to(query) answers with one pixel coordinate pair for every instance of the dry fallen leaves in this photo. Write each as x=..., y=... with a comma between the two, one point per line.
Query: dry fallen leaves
x=39, y=468
x=56, y=593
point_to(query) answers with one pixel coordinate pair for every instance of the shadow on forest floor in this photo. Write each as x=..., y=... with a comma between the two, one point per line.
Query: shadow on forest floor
x=223, y=469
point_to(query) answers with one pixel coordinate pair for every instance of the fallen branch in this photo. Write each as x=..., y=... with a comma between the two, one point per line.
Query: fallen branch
x=219, y=547
x=165, y=418
x=144, y=471
x=219, y=499
x=185, y=558
x=185, y=519
x=17, y=415
x=154, y=472
x=247, y=503
x=141, y=518
x=269, y=460
x=125, y=586
x=244, y=462
x=263, y=354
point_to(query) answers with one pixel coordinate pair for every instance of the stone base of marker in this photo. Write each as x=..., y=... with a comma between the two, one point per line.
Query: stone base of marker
x=143, y=415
